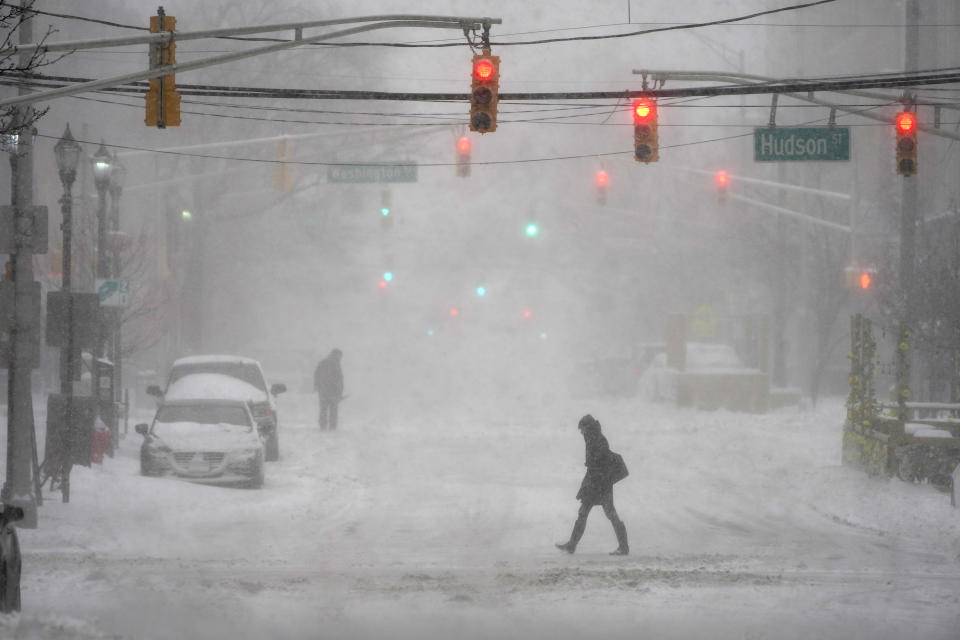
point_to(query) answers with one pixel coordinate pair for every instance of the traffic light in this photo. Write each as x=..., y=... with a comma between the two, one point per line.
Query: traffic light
x=601, y=179
x=163, y=99
x=531, y=230
x=463, y=157
x=906, y=127
x=386, y=219
x=645, y=142
x=722, y=180
x=485, y=85
x=860, y=278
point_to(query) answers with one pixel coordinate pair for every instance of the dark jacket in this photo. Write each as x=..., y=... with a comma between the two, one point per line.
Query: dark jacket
x=328, y=377
x=596, y=482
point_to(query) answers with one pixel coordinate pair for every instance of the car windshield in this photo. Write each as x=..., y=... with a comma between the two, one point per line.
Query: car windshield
x=246, y=371
x=203, y=414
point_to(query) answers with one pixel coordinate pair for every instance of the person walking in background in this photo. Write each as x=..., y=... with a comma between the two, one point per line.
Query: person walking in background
x=604, y=469
x=328, y=381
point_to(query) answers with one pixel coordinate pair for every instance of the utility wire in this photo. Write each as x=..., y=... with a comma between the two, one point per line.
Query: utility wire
x=884, y=80
x=428, y=164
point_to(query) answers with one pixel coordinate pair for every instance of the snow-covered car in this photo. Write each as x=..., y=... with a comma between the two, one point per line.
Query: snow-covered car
x=233, y=377
x=203, y=440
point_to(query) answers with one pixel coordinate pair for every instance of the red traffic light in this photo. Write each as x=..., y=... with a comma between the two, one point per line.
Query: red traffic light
x=906, y=122
x=722, y=178
x=642, y=110
x=602, y=178
x=483, y=70
x=463, y=145
x=865, y=280
x=454, y=312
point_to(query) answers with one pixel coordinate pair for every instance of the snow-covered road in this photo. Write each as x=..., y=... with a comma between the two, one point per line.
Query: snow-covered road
x=411, y=522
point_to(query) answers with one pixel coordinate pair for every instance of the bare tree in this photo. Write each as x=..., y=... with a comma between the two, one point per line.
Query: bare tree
x=16, y=69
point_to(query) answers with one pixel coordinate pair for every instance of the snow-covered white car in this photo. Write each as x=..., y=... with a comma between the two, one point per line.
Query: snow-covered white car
x=226, y=376
x=203, y=440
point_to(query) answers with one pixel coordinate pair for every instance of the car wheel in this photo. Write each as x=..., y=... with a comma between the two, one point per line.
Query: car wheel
x=256, y=482
x=273, y=446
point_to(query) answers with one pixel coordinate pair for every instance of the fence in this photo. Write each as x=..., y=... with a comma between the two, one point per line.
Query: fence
x=917, y=441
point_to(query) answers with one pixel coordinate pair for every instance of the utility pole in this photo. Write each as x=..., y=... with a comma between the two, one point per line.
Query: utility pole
x=908, y=227
x=18, y=489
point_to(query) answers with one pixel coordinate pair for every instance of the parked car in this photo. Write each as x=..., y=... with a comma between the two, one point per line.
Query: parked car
x=203, y=440
x=227, y=376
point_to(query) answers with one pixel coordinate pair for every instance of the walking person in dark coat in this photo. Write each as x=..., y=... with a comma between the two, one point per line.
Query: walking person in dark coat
x=328, y=381
x=604, y=468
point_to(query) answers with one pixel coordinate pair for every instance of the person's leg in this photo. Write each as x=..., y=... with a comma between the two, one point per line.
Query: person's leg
x=623, y=547
x=323, y=413
x=333, y=414
x=578, y=528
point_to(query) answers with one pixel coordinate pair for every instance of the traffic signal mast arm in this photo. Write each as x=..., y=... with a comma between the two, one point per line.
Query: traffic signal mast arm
x=390, y=22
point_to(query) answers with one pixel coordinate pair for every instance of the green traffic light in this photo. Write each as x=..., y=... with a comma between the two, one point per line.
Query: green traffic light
x=385, y=211
x=186, y=215
x=531, y=230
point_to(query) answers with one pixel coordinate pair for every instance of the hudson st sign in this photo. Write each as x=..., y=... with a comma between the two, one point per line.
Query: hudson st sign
x=801, y=143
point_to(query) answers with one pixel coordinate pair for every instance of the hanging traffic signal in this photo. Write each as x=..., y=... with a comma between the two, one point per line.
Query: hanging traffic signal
x=601, y=179
x=531, y=230
x=905, y=125
x=860, y=278
x=463, y=157
x=386, y=219
x=646, y=145
x=162, y=98
x=484, y=89
x=722, y=180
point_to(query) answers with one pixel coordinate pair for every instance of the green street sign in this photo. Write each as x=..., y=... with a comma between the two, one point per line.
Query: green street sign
x=791, y=144
x=354, y=173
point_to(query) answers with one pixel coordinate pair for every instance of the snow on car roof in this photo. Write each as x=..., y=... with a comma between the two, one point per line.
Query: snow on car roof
x=213, y=358
x=212, y=385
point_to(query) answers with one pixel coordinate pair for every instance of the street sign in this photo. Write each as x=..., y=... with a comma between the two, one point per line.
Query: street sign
x=355, y=173
x=790, y=144
x=35, y=240
x=113, y=293
x=8, y=322
x=85, y=318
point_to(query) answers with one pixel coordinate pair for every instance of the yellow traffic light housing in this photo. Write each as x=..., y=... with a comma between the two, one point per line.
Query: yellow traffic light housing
x=905, y=125
x=484, y=92
x=646, y=143
x=163, y=99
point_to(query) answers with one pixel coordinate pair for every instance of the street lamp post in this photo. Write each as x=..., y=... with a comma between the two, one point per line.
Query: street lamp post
x=102, y=167
x=118, y=173
x=68, y=153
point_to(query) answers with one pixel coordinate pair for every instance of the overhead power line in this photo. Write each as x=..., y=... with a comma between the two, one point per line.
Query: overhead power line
x=896, y=80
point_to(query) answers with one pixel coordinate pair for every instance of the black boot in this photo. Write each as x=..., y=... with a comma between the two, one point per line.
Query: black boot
x=575, y=535
x=623, y=547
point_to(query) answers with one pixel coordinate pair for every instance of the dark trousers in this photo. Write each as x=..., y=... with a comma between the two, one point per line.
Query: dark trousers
x=606, y=501
x=328, y=413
